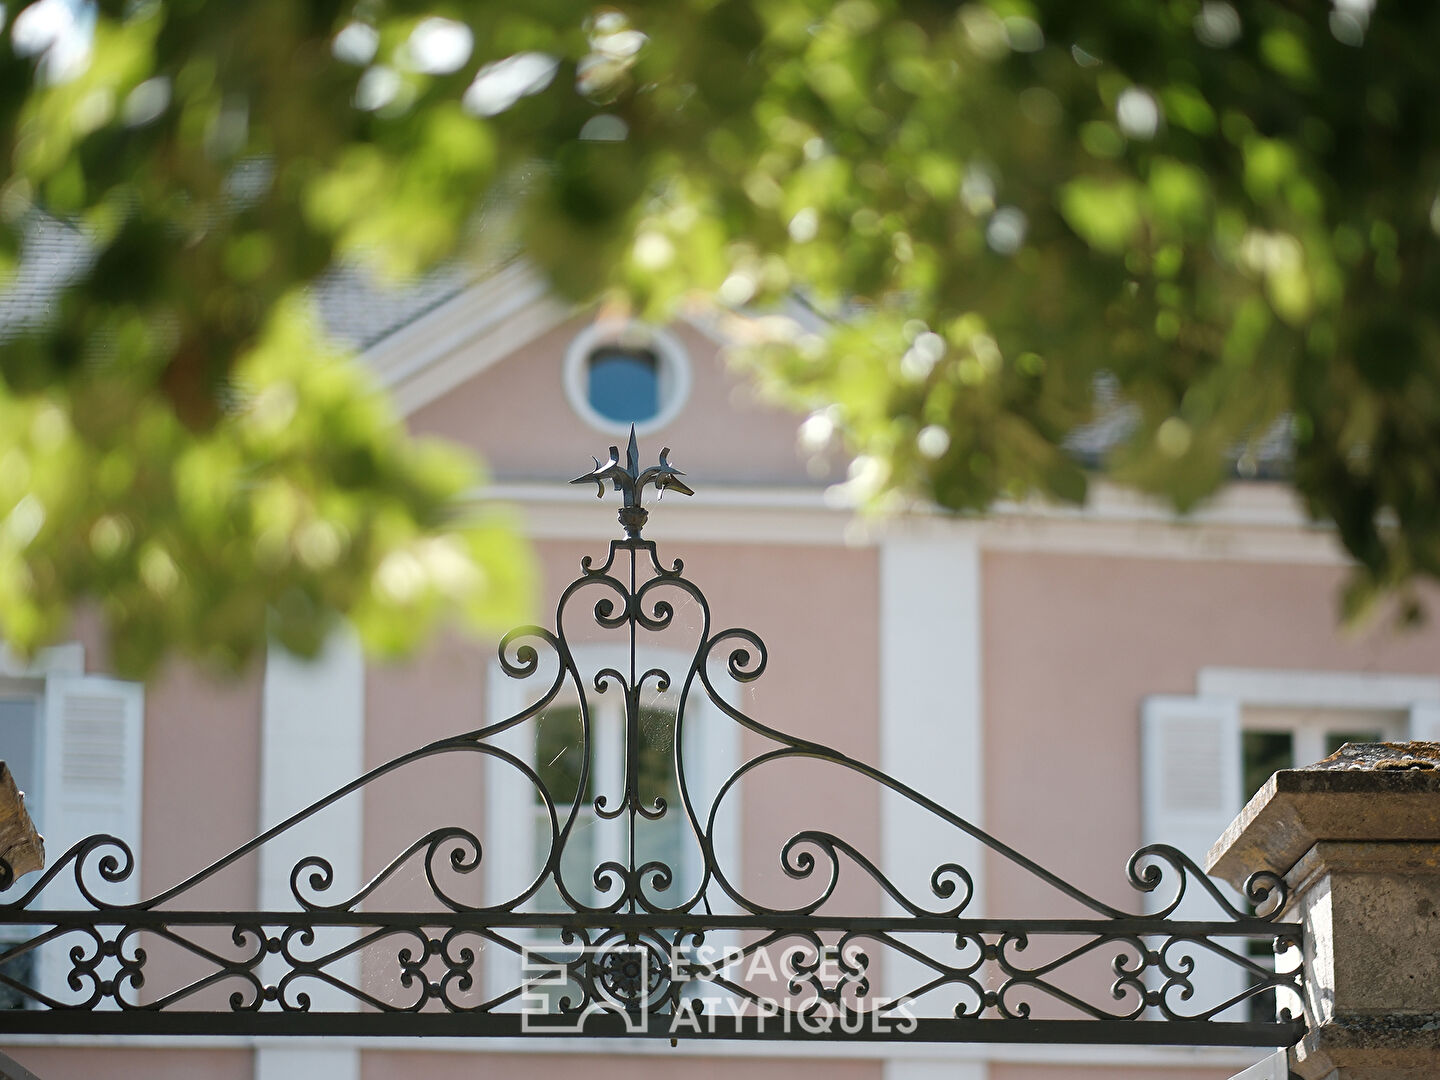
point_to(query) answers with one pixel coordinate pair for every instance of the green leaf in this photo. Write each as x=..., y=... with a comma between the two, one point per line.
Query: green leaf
x=1105, y=213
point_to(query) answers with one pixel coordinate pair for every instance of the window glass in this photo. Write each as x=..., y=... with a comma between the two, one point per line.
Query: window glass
x=1276, y=738
x=558, y=761
x=18, y=744
x=623, y=384
x=19, y=748
x=558, y=757
x=557, y=754
x=1263, y=753
x=660, y=840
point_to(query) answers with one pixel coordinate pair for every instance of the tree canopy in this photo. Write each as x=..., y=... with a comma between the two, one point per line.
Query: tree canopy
x=1213, y=225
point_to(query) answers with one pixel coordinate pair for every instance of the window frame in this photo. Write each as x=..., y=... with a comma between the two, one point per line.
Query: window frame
x=32, y=784
x=29, y=679
x=673, y=377
x=32, y=790
x=712, y=753
x=607, y=725
x=1310, y=727
x=1255, y=699
x=1229, y=698
x=55, y=678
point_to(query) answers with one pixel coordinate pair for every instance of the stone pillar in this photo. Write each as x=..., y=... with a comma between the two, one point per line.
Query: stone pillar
x=1357, y=837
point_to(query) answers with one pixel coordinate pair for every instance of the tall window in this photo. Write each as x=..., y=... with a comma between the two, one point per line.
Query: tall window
x=1275, y=738
x=557, y=757
x=21, y=744
x=1272, y=739
x=1205, y=756
x=74, y=744
x=550, y=743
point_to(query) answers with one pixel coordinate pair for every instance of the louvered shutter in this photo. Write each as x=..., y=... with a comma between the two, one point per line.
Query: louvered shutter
x=1425, y=721
x=94, y=728
x=93, y=751
x=1191, y=792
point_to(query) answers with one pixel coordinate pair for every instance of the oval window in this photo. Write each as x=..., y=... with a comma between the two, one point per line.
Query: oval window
x=618, y=375
x=623, y=384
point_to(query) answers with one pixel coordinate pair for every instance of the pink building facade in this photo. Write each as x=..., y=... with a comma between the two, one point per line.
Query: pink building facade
x=1076, y=682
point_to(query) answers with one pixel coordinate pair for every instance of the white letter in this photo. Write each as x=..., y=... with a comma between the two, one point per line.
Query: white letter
x=687, y=1016
x=760, y=964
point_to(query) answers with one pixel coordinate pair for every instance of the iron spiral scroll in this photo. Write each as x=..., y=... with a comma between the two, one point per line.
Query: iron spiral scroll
x=700, y=944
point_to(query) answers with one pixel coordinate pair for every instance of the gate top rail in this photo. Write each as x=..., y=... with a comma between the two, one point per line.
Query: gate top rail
x=647, y=939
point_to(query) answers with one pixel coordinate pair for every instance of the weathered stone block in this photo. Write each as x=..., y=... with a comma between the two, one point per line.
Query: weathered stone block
x=1357, y=837
x=20, y=845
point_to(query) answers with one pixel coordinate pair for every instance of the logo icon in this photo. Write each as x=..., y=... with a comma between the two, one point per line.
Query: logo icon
x=565, y=985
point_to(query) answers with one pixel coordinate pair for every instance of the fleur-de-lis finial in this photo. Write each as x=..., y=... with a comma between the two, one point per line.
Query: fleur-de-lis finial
x=630, y=481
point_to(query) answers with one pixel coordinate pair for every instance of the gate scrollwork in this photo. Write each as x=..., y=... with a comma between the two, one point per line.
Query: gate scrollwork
x=639, y=944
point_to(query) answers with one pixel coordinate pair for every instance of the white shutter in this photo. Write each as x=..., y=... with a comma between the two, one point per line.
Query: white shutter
x=1191, y=774
x=1425, y=721
x=94, y=743
x=94, y=729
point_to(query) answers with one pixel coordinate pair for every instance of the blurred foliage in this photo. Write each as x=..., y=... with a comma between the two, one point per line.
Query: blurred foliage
x=180, y=445
x=302, y=502
x=1224, y=217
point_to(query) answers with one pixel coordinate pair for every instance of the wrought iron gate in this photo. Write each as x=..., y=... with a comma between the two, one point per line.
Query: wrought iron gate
x=643, y=943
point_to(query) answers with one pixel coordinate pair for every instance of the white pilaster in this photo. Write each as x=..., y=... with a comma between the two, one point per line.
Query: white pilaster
x=306, y=1063
x=930, y=718
x=313, y=742
x=937, y=1069
x=930, y=729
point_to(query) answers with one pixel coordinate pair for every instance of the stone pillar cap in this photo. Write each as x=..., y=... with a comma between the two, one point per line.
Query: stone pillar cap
x=1363, y=792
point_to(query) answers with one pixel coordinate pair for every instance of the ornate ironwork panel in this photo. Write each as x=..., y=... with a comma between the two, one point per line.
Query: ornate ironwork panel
x=615, y=895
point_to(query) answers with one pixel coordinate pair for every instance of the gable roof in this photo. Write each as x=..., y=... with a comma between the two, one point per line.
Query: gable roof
x=361, y=312
x=357, y=309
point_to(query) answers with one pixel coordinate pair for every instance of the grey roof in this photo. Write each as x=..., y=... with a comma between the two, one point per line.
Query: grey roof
x=53, y=253
x=360, y=311
x=1116, y=419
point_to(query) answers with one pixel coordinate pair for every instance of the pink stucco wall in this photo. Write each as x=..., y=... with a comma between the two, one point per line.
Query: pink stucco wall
x=517, y=416
x=200, y=799
x=385, y=1065
x=202, y=769
x=1071, y=644
x=202, y=749
x=438, y=693
x=137, y=1063
x=816, y=608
